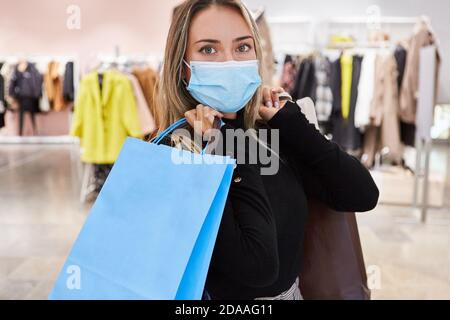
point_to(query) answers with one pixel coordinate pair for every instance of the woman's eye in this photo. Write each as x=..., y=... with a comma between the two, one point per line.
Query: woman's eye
x=208, y=50
x=244, y=48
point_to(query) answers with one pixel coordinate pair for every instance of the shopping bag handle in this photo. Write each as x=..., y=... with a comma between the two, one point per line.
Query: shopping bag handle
x=169, y=129
x=172, y=127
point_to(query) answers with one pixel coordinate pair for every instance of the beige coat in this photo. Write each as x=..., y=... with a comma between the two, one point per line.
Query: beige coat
x=384, y=130
x=422, y=37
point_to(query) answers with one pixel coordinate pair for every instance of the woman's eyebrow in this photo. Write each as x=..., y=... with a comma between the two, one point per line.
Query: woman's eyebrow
x=242, y=38
x=217, y=41
x=208, y=40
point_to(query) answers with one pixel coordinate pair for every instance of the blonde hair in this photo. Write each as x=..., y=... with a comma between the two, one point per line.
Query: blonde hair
x=173, y=99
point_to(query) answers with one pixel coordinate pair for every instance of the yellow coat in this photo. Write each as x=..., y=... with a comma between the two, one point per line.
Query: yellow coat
x=103, y=119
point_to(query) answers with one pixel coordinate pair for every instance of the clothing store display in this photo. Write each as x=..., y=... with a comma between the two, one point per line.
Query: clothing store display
x=44, y=103
x=365, y=91
x=305, y=83
x=26, y=83
x=26, y=89
x=400, y=54
x=224, y=86
x=148, y=80
x=324, y=96
x=335, y=85
x=344, y=131
x=68, y=83
x=407, y=130
x=346, y=84
x=384, y=112
x=259, y=224
x=104, y=118
x=145, y=117
x=289, y=73
x=7, y=72
x=54, y=86
x=422, y=37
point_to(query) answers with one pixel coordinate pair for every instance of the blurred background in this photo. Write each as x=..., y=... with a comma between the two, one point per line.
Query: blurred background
x=376, y=70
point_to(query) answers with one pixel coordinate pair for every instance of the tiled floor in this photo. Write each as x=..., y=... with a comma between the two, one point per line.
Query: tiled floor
x=40, y=216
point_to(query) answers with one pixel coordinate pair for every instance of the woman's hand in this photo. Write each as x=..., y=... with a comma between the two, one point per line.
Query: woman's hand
x=202, y=118
x=271, y=102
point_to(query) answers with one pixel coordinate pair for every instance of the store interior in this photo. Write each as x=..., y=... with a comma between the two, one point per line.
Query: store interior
x=399, y=53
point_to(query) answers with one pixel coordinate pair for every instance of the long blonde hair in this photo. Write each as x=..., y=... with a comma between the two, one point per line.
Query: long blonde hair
x=173, y=99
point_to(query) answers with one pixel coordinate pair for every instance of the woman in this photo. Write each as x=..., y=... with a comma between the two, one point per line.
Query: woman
x=210, y=72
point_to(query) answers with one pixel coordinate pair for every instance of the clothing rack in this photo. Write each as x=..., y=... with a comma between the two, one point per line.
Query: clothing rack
x=38, y=59
x=125, y=60
x=316, y=24
x=423, y=143
x=122, y=62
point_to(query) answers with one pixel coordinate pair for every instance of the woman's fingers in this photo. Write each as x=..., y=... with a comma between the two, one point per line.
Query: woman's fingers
x=267, y=97
x=191, y=116
x=275, y=98
x=202, y=118
x=271, y=96
x=199, y=109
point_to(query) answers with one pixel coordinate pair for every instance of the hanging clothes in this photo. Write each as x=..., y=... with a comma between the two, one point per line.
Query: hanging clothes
x=344, y=131
x=289, y=74
x=68, y=83
x=305, y=83
x=324, y=96
x=400, y=55
x=145, y=117
x=148, y=80
x=26, y=83
x=26, y=89
x=423, y=36
x=365, y=91
x=7, y=72
x=103, y=118
x=54, y=86
x=384, y=130
x=346, y=84
x=335, y=86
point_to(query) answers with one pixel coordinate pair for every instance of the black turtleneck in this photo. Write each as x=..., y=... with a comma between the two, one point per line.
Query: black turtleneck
x=258, y=252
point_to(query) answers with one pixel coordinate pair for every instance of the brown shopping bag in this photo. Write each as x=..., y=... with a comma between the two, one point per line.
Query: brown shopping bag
x=333, y=261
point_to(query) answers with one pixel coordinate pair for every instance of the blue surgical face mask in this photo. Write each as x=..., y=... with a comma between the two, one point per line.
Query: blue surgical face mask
x=224, y=86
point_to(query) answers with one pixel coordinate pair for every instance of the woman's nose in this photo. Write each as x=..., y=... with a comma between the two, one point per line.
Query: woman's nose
x=229, y=55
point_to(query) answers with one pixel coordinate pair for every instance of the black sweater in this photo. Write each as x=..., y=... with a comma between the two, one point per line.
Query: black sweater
x=258, y=248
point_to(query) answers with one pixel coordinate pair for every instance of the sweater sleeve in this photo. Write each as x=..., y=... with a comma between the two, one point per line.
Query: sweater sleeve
x=328, y=173
x=246, y=247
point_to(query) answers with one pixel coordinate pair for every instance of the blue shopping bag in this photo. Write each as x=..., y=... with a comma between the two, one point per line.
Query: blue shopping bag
x=151, y=232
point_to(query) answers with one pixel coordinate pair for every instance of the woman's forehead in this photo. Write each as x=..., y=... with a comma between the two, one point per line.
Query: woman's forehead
x=218, y=23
